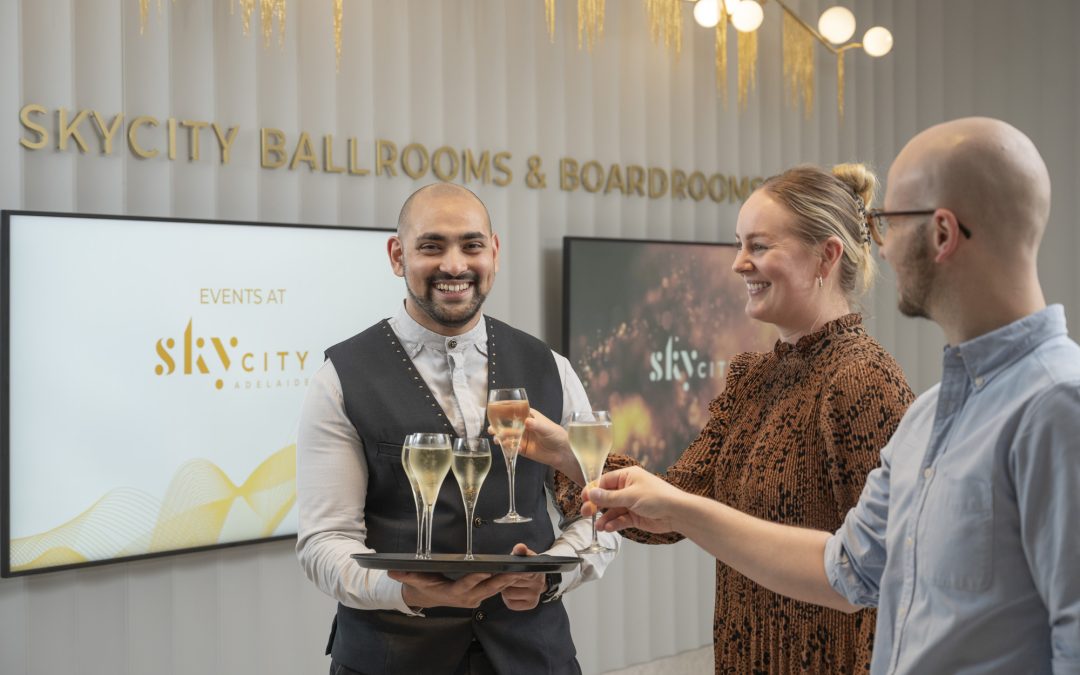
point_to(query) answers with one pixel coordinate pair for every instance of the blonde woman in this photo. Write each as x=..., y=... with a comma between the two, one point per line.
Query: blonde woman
x=797, y=429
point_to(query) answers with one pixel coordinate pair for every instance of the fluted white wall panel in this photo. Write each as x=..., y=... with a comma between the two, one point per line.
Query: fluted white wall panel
x=479, y=75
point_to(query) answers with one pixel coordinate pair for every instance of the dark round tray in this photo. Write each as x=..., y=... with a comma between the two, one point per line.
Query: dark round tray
x=455, y=563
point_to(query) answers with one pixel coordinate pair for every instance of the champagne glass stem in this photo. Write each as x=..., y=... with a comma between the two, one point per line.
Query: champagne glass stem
x=419, y=531
x=429, y=514
x=511, y=465
x=595, y=541
x=468, y=532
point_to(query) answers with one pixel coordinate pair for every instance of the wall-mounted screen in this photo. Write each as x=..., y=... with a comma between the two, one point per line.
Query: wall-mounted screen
x=650, y=326
x=153, y=374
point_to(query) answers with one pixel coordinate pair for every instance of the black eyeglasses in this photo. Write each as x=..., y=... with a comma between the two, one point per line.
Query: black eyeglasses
x=880, y=220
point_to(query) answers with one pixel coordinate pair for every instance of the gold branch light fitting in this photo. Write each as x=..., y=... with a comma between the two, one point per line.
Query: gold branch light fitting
x=835, y=28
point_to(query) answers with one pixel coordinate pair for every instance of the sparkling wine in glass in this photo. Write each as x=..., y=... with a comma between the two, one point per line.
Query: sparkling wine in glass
x=472, y=461
x=590, y=440
x=507, y=410
x=429, y=462
x=421, y=516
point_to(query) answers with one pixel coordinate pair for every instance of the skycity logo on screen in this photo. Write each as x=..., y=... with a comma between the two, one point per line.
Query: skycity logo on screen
x=267, y=369
x=673, y=365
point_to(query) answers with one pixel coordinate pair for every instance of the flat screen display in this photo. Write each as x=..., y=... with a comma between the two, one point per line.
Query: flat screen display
x=650, y=327
x=153, y=374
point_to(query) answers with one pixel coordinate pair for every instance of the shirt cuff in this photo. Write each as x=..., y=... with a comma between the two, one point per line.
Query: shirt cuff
x=842, y=575
x=572, y=577
x=388, y=593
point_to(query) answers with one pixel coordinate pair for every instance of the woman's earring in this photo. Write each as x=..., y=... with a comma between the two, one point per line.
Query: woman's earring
x=820, y=282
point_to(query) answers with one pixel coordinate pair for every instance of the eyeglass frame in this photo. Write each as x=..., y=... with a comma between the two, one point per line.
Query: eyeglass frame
x=874, y=217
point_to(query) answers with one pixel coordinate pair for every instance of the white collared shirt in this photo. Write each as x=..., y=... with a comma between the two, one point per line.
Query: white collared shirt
x=332, y=473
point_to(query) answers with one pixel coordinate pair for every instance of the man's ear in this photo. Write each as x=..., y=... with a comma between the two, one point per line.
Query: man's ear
x=945, y=229
x=396, y=251
x=495, y=250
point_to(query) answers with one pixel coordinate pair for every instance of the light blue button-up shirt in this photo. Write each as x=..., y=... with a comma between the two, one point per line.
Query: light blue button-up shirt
x=967, y=537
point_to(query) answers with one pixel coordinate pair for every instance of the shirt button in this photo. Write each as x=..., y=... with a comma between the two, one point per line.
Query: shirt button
x=452, y=344
x=477, y=521
x=480, y=616
x=927, y=472
x=979, y=381
x=909, y=541
x=902, y=613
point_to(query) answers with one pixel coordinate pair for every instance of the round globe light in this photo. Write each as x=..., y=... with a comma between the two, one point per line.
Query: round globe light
x=707, y=13
x=837, y=25
x=747, y=16
x=877, y=41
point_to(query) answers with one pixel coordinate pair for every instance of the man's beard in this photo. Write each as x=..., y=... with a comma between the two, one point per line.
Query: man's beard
x=920, y=270
x=459, y=315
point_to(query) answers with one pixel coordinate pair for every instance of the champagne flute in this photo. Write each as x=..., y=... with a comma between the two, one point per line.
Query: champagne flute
x=472, y=461
x=429, y=462
x=421, y=516
x=590, y=441
x=507, y=410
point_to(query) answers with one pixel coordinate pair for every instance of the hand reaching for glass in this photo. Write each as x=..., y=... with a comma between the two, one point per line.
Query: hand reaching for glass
x=546, y=442
x=635, y=498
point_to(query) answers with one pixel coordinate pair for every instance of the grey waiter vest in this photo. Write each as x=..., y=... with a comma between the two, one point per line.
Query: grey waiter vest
x=386, y=399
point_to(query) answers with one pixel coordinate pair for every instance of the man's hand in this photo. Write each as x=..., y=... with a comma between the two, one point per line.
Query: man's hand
x=421, y=589
x=524, y=593
x=635, y=498
x=546, y=442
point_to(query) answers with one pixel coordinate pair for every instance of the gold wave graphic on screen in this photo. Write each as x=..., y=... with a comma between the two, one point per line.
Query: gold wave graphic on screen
x=201, y=507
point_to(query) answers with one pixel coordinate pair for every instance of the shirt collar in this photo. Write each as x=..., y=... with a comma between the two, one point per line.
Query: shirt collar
x=415, y=337
x=989, y=354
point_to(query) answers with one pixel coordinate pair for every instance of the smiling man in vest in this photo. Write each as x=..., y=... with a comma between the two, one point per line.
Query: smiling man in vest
x=429, y=368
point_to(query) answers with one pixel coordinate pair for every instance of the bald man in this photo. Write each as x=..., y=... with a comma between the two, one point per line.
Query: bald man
x=967, y=537
x=428, y=369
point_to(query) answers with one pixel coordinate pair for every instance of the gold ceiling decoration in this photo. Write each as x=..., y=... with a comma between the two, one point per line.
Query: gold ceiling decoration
x=721, y=56
x=665, y=21
x=270, y=12
x=835, y=28
x=798, y=64
x=590, y=22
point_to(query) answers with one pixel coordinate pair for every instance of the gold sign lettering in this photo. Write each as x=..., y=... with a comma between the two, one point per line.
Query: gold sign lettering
x=278, y=150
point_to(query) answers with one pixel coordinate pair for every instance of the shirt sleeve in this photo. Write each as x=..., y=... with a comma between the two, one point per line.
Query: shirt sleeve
x=575, y=531
x=331, y=489
x=1045, y=467
x=855, y=554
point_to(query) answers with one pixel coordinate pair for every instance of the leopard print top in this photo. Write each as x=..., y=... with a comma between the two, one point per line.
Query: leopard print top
x=790, y=440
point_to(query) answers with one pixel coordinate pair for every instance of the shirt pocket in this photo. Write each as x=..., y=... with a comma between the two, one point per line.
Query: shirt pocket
x=957, y=534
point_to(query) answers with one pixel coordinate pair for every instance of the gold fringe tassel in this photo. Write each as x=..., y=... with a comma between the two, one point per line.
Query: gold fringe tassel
x=590, y=22
x=747, y=44
x=246, y=8
x=721, y=54
x=549, y=14
x=798, y=64
x=665, y=20
x=840, y=83
x=339, y=15
x=144, y=13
